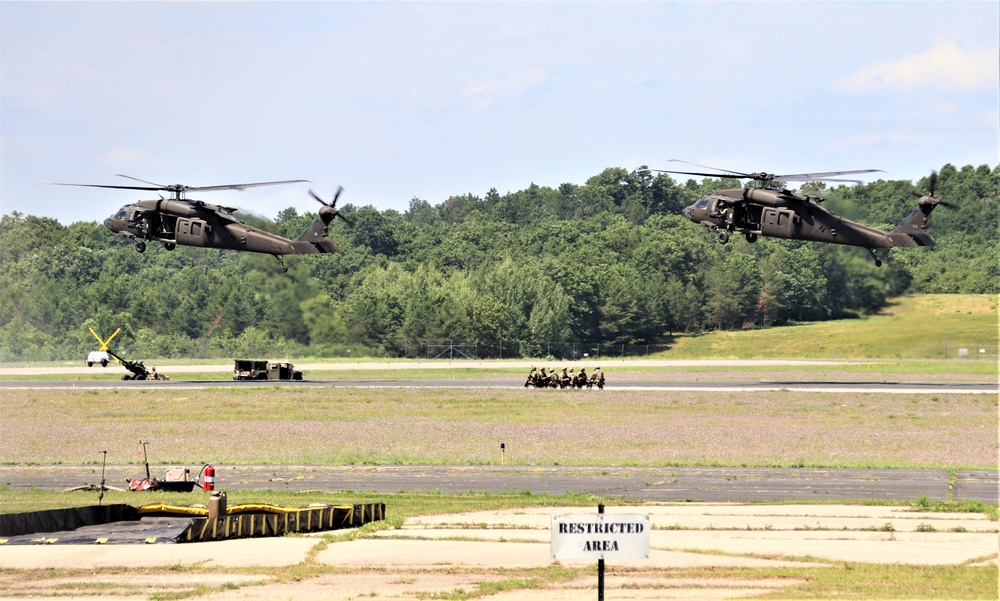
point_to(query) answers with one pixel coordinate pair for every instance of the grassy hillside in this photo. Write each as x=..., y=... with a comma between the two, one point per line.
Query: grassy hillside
x=926, y=326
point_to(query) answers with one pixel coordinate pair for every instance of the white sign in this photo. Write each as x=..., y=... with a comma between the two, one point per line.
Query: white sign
x=600, y=536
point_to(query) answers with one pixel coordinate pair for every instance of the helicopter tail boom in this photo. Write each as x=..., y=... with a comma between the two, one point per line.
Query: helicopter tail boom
x=910, y=232
x=313, y=240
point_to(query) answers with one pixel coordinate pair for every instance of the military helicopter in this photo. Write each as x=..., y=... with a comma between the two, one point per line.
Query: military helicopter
x=764, y=209
x=179, y=220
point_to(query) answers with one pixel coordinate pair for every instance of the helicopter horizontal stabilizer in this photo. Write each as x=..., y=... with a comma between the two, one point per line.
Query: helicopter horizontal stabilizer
x=303, y=247
x=313, y=240
x=325, y=246
x=316, y=232
x=911, y=231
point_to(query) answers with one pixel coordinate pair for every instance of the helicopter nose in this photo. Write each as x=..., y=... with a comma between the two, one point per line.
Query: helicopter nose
x=107, y=223
x=687, y=212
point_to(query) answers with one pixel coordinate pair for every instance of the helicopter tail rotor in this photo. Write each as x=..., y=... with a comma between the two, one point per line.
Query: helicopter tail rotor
x=911, y=232
x=927, y=198
x=330, y=210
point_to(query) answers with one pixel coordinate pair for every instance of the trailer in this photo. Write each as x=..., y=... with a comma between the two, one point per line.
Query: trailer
x=256, y=369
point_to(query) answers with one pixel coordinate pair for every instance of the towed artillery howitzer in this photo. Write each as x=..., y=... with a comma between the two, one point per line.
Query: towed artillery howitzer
x=138, y=369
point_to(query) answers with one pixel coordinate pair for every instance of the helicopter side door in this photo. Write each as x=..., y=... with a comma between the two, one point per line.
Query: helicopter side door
x=193, y=232
x=780, y=223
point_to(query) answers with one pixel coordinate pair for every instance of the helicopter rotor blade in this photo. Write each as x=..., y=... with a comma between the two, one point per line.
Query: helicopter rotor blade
x=332, y=204
x=160, y=186
x=737, y=173
x=317, y=198
x=349, y=223
x=932, y=183
x=244, y=186
x=826, y=176
x=722, y=175
x=178, y=187
x=103, y=186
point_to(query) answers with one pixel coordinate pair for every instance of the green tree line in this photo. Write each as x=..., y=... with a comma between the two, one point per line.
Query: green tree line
x=607, y=262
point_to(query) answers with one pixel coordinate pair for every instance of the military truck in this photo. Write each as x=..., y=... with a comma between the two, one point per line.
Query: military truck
x=255, y=369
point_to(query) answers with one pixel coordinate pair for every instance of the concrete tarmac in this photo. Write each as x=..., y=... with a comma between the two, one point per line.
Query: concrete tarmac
x=438, y=555
x=617, y=384
x=658, y=484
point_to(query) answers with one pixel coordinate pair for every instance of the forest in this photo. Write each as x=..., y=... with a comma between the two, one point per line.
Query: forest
x=609, y=262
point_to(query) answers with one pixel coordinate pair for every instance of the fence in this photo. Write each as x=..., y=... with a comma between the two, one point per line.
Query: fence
x=514, y=349
x=950, y=350
x=456, y=350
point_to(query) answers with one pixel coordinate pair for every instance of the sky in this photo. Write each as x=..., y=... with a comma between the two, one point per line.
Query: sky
x=402, y=100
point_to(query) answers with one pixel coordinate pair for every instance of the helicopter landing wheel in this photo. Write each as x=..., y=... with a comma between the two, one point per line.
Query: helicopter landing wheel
x=140, y=246
x=751, y=238
x=722, y=236
x=169, y=245
x=878, y=262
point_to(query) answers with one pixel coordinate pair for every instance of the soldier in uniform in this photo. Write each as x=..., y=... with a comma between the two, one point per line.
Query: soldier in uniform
x=582, y=380
x=598, y=378
x=532, y=378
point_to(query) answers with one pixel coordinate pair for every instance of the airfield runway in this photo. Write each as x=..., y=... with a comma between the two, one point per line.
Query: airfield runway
x=700, y=514
x=646, y=484
x=653, y=484
x=617, y=384
x=705, y=382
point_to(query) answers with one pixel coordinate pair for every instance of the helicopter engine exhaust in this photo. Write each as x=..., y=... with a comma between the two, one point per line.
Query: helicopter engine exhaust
x=770, y=198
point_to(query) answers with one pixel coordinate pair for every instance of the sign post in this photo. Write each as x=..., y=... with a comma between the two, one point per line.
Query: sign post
x=600, y=564
x=602, y=536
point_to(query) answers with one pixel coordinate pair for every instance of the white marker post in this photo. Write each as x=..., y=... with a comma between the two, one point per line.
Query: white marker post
x=602, y=536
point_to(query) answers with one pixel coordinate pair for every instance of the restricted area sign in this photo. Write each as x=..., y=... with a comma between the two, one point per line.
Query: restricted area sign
x=600, y=536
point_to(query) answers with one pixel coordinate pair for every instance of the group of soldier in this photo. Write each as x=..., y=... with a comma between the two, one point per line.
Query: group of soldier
x=540, y=378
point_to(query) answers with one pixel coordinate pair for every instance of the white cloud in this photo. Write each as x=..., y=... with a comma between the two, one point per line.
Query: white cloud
x=123, y=156
x=943, y=65
x=513, y=84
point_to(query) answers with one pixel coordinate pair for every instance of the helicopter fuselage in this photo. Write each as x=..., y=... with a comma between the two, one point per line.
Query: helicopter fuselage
x=194, y=223
x=179, y=220
x=757, y=212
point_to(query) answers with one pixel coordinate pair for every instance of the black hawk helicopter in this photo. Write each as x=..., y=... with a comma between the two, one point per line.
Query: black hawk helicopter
x=179, y=220
x=765, y=209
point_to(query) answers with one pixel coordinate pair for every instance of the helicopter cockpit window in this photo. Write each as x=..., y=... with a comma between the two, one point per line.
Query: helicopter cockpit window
x=702, y=204
x=120, y=214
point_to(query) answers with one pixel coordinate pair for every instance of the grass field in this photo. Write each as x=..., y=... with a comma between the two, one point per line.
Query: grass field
x=344, y=426
x=927, y=326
